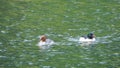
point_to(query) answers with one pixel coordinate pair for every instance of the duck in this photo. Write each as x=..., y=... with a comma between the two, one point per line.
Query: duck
x=45, y=42
x=89, y=38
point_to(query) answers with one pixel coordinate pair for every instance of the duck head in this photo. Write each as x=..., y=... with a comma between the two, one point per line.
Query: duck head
x=91, y=36
x=43, y=38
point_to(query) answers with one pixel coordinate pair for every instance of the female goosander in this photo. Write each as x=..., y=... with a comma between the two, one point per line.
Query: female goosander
x=89, y=38
x=45, y=42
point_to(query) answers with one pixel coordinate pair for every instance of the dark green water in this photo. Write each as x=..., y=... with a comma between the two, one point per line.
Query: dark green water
x=64, y=21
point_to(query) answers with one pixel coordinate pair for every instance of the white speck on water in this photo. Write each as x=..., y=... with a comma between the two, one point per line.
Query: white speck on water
x=41, y=60
x=83, y=13
x=23, y=18
x=0, y=50
x=30, y=63
x=0, y=43
x=18, y=34
x=117, y=54
x=25, y=40
x=107, y=13
x=21, y=62
x=68, y=10
x=3, y=57
x=66, y=16
x=32, y=10
x=98, y=10
x=102, y=62
x=3, y=32
x=46, y=66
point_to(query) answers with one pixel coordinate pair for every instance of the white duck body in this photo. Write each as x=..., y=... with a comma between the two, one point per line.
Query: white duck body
x=83, y=39
x=45, y=44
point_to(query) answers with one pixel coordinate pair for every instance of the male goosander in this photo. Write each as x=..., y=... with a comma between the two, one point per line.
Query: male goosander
x=89, y=38
x=45, y=42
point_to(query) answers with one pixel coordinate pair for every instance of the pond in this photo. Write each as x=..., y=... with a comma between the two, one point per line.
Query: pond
x=23, y=21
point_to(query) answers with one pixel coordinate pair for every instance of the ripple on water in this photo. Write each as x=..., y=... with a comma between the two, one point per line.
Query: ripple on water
x=3, y=50
x=78, y=29
x=72, y=39
x=104, y=39
x=56, y=52
x=3, y=57
x=116, y=39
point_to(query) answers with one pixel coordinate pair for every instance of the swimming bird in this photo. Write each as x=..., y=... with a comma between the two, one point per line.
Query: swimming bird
x=45, y=42
x=89, y=38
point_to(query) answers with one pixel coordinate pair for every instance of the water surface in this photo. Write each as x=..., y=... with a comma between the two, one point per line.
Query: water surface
x=22, y=22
